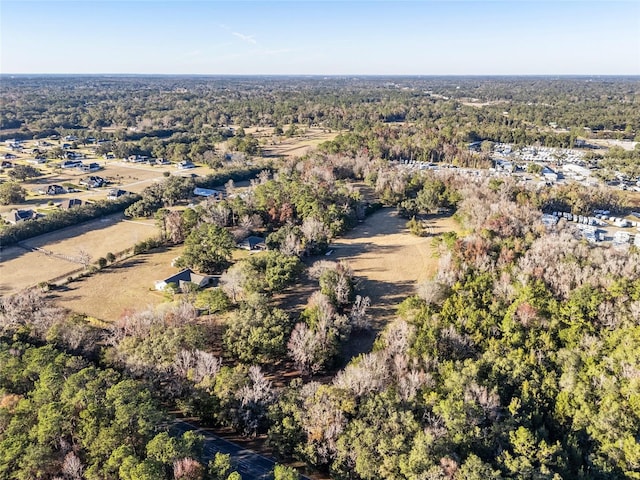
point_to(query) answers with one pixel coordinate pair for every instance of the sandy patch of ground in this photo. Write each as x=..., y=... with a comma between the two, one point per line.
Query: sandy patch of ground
x=126, y=286
x=624, y=144
x=298, y=145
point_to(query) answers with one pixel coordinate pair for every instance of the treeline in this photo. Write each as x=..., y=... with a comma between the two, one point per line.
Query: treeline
x=156, y=107
x=10, y=234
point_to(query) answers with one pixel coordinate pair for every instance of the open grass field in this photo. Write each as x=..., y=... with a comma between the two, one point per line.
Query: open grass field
x=20, y=267
x=298, y=145
x=282, y=147
x=127, y=286
x=388, y=260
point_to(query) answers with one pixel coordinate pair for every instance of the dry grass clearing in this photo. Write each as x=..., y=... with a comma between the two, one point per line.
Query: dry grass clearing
x=127, y=286
x=299, y=145
x=388, y=260
x=21, y=268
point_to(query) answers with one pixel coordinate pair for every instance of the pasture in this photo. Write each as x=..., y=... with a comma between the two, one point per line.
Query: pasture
x=126, y=286
x=20, y=267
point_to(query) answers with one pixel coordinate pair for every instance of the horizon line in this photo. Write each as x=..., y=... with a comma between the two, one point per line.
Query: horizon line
x=131, y=74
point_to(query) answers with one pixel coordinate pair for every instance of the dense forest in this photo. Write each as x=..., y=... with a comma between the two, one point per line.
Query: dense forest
x=519, y=359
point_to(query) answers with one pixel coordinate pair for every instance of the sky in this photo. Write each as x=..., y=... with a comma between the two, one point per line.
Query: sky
x=318, y=37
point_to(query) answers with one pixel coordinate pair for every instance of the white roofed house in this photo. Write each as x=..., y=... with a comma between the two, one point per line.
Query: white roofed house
x=549, y=175
x=208, y=192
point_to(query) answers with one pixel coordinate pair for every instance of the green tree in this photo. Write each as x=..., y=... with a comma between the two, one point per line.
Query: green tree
x=282, y=472
x=220, y=466
x=258, y=334
x=207, y=249
x=11, y=192
x=22, y=172
x=214, y=300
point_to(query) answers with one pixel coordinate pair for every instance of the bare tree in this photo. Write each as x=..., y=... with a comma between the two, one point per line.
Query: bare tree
x=216, y=213
x=432, y=292
x=369, y=374
x=233, y=281
x=84, y=258
x=291, y=245
x=230, y=188
x=187, y=469
x=398, y=337
x=314, y=230
x=207, y=365
x=303, y=346
x=29, y=308
x=72, y=466
x=251, y=222
x=264, y=176
x=323, y=419
x=174, y=226
x=360, y=319
x=254, y=400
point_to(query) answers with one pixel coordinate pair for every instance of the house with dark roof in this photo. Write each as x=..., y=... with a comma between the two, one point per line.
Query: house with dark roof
x=71, y=164
x=253, y=243
x=17, y=216
x=187, y=276
x=93, y=181
x=55, y=190
x=91, y=167
x=115, y=193
x=72, y=202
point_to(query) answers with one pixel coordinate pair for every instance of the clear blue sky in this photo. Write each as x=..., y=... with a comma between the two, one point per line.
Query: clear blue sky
x=425, y=37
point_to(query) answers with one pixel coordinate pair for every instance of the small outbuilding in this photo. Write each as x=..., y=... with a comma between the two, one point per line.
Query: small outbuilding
x=207, y=192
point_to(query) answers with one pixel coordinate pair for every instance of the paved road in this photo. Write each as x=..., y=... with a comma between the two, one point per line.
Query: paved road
x=249, y=464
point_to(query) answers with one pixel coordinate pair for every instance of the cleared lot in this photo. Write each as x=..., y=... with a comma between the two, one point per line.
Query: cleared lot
x=388, y=260
x=298, y=145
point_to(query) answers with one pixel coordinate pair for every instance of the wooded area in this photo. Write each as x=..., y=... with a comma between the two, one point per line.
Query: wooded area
x=519, y=359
